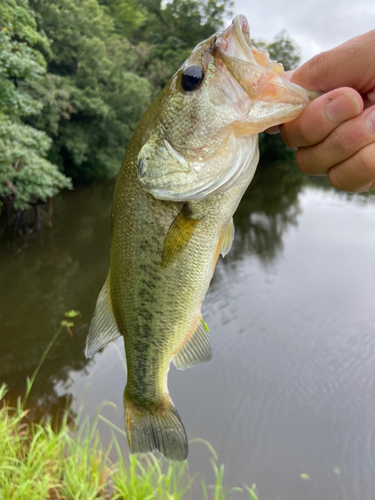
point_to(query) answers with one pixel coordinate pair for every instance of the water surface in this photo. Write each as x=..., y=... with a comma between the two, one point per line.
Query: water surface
x=291, y=386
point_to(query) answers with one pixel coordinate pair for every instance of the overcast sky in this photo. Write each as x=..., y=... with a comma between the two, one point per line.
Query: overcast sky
x=315, y=25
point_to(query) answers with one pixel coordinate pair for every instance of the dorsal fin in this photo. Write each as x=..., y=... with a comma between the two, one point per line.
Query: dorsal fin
x=196, y=350
x=103, y=328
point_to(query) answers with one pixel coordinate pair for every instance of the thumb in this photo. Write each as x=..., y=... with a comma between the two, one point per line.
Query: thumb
x=348, y=65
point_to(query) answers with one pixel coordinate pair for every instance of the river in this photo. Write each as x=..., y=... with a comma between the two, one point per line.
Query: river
x=291, y=310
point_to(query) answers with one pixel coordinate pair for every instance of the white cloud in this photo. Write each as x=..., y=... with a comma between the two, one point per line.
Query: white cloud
x=316, y=25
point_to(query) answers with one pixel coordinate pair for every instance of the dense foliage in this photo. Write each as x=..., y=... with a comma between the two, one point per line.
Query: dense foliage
x=25, y=173
x=106, y=98
x=76, y=76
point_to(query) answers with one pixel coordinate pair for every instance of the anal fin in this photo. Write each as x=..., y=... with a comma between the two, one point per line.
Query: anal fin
x=196, y=350
x=103, y=327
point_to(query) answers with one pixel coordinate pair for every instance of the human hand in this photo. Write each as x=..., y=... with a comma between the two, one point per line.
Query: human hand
x=335, y=134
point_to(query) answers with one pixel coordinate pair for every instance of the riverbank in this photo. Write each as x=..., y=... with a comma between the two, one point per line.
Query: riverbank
x=39, y=462
x=42, y=461
x=66, y=460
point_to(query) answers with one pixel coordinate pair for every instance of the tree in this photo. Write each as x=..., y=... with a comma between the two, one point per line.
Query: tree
x=25, y=173
x=128, y=15
x=98, y=83
x=283, y=49
x=94, y=66
x=169, y=33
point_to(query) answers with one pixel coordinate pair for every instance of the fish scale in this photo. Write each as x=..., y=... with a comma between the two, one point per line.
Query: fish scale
x=185, y=171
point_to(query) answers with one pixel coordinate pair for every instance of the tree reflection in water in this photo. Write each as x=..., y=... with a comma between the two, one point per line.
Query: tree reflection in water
x=44, y=275
x=268, y=207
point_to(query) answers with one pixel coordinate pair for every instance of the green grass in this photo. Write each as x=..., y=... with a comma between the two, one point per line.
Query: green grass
x=40, y=461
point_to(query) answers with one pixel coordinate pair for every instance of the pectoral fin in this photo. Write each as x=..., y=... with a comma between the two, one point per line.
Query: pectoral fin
x=227, y=239
x=179, y=235
x=225, y=242
x=103, y=328
x=196, y=350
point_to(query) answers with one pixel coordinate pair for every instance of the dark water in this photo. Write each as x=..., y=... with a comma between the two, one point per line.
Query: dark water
x=291, y=310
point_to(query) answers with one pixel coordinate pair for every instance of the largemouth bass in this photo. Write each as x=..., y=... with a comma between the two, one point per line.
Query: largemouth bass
x=185, y=170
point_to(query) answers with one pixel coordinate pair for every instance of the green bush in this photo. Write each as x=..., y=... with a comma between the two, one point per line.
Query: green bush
x=25, y=173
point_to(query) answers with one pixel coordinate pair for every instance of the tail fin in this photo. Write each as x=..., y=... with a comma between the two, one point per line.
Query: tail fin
x=161, y=430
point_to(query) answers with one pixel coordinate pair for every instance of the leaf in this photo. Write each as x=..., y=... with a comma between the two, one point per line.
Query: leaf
x=68, y=324
x=304, y=476
x=72, y=314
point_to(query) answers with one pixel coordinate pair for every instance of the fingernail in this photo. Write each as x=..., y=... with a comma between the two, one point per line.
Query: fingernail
x=273, y=130
x=364, y=189
x=342, y=107
x=370, y=122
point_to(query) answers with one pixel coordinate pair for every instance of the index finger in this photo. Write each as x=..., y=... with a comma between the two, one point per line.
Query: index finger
x=350, y=64
x=321, y=117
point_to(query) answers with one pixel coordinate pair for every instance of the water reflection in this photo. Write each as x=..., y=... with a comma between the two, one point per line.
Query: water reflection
x=268, y=208
x=44, y=275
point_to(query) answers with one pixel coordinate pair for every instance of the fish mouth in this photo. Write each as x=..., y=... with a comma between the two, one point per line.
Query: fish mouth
x=235, y=41
x=252, y=68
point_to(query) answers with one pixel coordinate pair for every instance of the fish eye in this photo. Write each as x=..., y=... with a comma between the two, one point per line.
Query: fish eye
x=192, y=77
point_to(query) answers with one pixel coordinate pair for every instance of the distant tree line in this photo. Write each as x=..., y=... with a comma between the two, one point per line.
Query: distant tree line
x=76, y=76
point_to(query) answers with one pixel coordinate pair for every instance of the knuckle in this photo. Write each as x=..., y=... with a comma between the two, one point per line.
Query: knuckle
x=339, y=145
x=311, y=161
x=298, y=133
x=349, y=138
x=315, y=67
x=336, y=179
x=286, y=135
x=356, y=172
x=366, y=162
x=307, y=132
x=352, y=51
x=302, y=160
